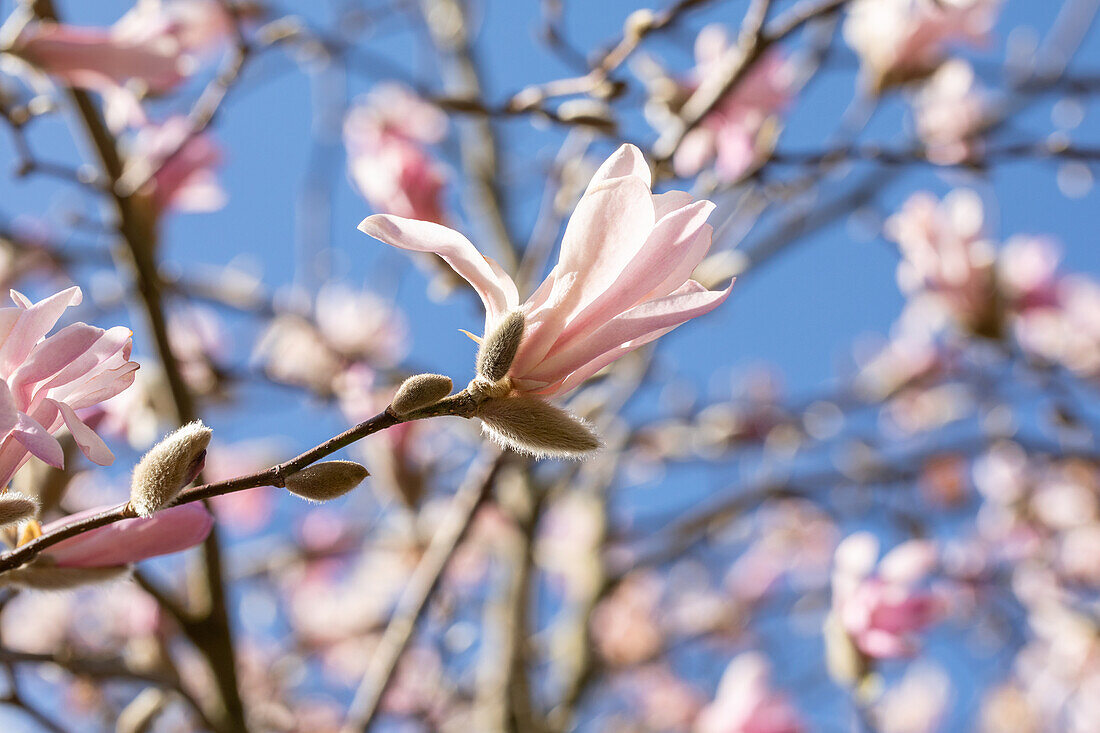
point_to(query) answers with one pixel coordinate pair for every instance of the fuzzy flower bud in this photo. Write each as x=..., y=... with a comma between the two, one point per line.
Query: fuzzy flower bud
x=43, y=574
x=169, y=466
x=325, y=481
x=535, y=427
x=420, y=390
x=499, y=348
x=15, y=507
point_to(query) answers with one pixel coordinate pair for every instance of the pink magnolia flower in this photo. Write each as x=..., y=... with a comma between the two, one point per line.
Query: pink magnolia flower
x=947, y=256
x=902, y=40
x=386, y=136
x=745, y=702
x=131, y=540
x=183, y=165
x=950, y=111
x=622, y=278
x=731, y=134
x=45, y=380
x=881, y=611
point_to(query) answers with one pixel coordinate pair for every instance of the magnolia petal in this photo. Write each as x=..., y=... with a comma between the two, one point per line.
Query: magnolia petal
x=610, y=224
x=54, y=354
x=626, y=161
x=91, y=445
x=36, y=439
x=111, y=342
x=496, y=289
x=9, y=414
x=34, y=323
x=131, y=540
x=690, y=301
x=661, y=255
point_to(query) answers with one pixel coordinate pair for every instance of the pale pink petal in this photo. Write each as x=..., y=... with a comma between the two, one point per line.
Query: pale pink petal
x=34, y=323
x=91, y=445
x=626, y=161
x=609, y=226
x=691, y=254
x=35, y=438
x=694, y=152
x=131, y=540
x=111, y=342
x=625, y=332
x=658, y=258
x=669, y=201
x=52, y=355
x=9, y=414
x=496, y=289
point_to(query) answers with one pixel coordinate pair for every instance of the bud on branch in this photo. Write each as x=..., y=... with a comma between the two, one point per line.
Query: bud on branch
x=169, y=466
x=326, y=481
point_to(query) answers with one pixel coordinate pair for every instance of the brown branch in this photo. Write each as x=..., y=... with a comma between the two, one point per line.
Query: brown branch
x=414, y=599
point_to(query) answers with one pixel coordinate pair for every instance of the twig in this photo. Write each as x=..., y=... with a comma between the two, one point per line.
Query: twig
x=414, y=598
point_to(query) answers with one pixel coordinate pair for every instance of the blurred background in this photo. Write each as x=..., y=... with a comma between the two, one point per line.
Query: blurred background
x=862, y=494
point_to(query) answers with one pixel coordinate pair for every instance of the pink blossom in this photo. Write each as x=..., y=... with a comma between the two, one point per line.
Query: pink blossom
x=950, y=110
x=386, y=136
x=947, y=256
x=130, y=540
x=901, y=40
x=621, y=281
x=360, y=325
x=730, y=134
x=881, y=611
x=103, y=61
x=183, y=166
x=44, y=381
x=745, y=703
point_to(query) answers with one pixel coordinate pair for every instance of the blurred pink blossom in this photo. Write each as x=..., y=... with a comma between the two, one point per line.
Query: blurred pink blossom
x=386, y=136
x=745, y=702
x=45, y=380
x=882, y=610
x=947, y=256
x=199, y=27
x=361, y=325
x=621, y=281
x=625, y=627
x=183, y=165
x=130, y=540
x=951, y=111
x=731, y=134
x=901, y=40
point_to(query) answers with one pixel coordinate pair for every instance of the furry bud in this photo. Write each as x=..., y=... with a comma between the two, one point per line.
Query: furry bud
x=499, y=348
x=169, y=465
x=44, y=575
x=535, y=427
x=325, y=481
x=421, y=390
x=15, y=507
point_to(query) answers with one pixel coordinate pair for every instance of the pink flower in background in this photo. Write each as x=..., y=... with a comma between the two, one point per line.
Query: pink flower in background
x=745, y=702
x=902, y=40
x=621, y=281
x=881, y=611
x=44, y=381
x=946, y=254
x=99, y=60
x=359, y=324
x=730, y=134
x=131, y=540
x=950, y=110
x=183, y=165
x=386, y=136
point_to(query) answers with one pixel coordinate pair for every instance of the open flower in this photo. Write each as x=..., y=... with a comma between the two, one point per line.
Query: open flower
x=903, y=40
x=44, y=381
x=621, y=281
x=881, y=611
x=131, y=540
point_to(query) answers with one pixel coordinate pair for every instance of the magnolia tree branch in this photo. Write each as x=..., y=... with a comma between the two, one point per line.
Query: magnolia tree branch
x=414, y=599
